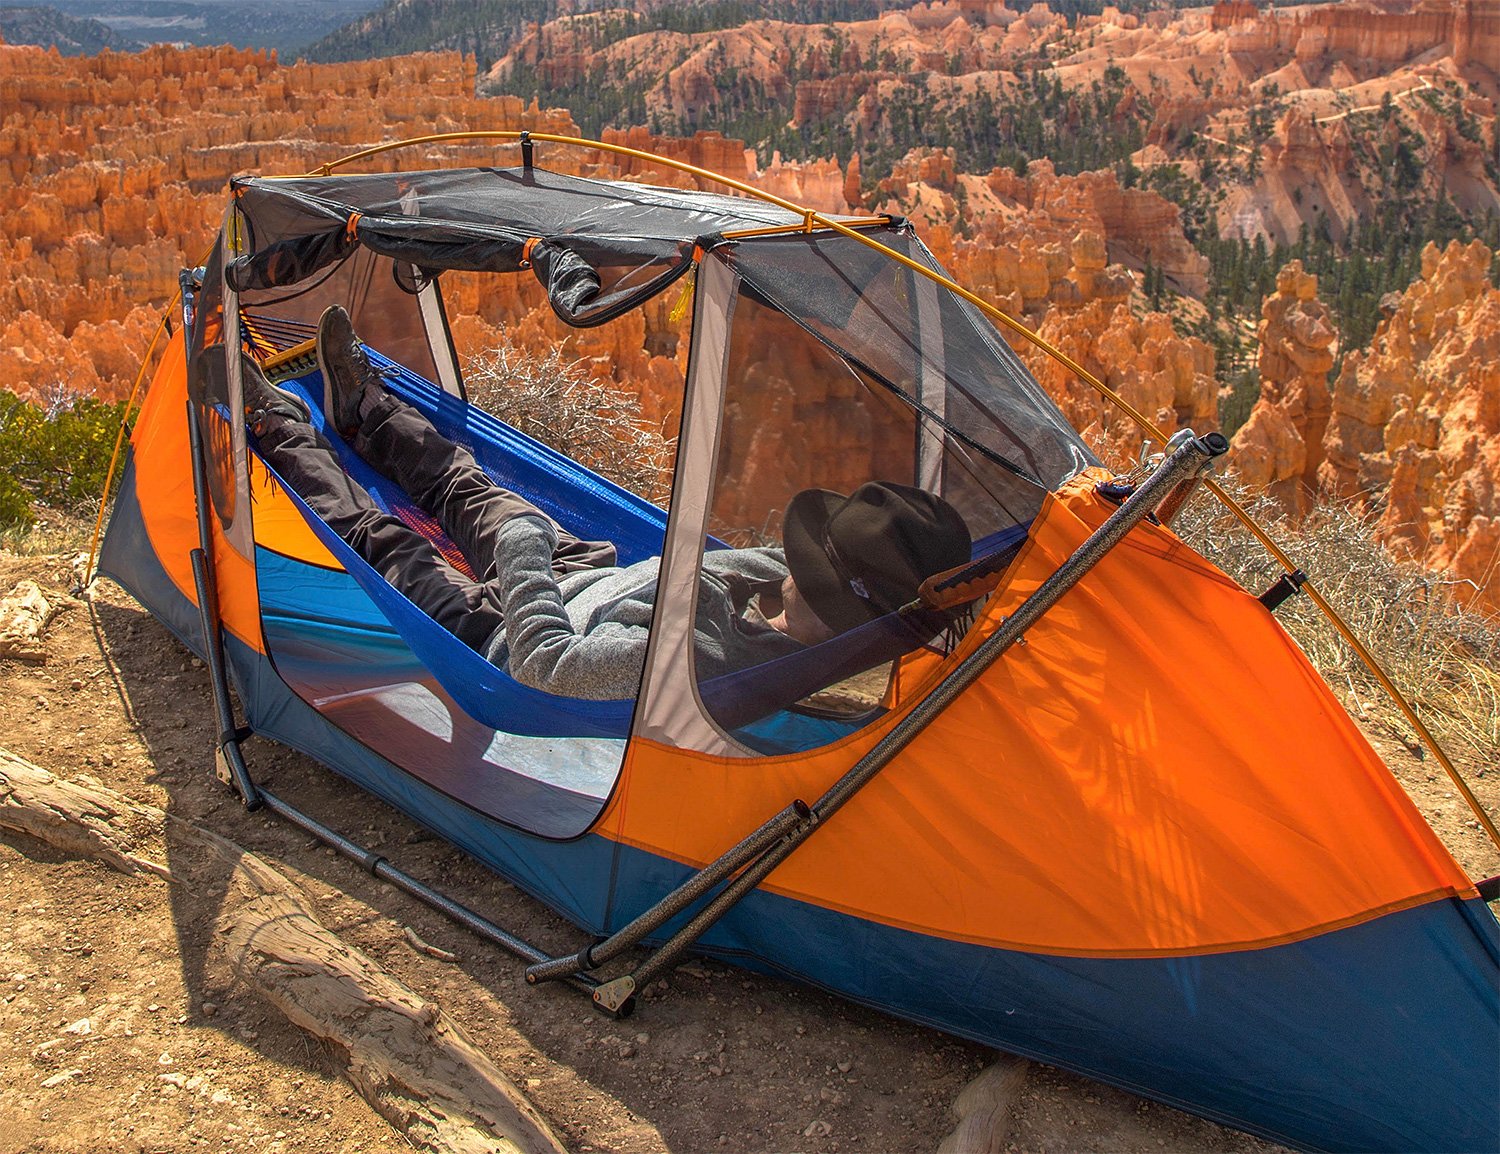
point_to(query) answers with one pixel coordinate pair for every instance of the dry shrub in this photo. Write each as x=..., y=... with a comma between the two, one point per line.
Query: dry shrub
x=555, y=399
x=1442, y=655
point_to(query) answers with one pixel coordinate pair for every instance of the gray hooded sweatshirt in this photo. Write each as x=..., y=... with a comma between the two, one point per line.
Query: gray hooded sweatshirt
x=584, y=634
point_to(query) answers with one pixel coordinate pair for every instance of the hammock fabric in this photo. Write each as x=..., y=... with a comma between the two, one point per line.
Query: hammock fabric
x=595, y=508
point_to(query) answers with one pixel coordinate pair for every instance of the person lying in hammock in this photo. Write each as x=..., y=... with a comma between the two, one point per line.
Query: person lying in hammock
x=554, y=611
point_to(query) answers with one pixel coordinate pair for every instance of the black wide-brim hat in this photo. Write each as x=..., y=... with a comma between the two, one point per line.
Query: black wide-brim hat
x=859, y=557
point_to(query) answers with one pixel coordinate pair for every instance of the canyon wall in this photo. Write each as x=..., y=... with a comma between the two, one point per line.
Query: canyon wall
x=1366, y=32
x=1414, y=433
x=114, y=170
x=115, y=167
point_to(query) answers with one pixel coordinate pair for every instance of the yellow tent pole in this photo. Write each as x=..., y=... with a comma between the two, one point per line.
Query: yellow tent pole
x=114, y=459
x=813, y=219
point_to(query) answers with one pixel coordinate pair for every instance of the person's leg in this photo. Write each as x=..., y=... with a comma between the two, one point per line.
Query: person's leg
x=402, y=556
x=446, y=481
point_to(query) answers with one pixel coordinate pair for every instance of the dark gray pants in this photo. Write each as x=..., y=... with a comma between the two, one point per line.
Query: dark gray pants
x=441, y=478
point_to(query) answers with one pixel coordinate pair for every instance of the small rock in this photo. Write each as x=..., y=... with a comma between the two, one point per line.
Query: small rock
x=24, y=616
x=817, y=1128
x=43, y=1053
x=76, y=683
x=845, y=1066
x=209, y=1009
x=221, y=1098
x=80, y=1028
x=175, y=1078
x=165, y=1059
x=107, y=758
x=59, y=1079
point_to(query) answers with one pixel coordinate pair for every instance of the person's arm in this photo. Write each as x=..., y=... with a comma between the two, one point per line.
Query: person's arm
x=545, y=651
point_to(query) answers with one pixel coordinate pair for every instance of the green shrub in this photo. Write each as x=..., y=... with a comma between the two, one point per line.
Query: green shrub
x=54, y=456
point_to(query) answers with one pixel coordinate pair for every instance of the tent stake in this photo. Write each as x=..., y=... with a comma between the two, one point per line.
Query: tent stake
x=1189, y=461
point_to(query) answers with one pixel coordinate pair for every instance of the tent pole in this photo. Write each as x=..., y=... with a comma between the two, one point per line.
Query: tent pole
x=229, y=761
x=1192, y=459
x=793, y=817
x=381, y=868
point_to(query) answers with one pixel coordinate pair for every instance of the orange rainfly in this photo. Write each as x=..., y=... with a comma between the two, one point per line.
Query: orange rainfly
x=169, y=508
x=1106, y=805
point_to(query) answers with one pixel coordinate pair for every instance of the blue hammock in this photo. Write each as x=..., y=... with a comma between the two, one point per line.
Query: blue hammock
x=593, y=508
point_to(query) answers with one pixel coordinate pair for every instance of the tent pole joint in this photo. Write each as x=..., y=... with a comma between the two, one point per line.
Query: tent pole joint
x=793, y=817
x=616, y=997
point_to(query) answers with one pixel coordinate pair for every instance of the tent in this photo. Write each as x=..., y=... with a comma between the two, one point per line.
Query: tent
x=1114, y=822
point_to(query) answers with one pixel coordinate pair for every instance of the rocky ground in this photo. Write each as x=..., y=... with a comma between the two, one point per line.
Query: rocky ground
x=122, y=1030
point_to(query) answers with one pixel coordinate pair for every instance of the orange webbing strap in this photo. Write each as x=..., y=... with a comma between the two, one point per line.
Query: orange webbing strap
x=260, y=344
x=114, y=459
x=531, y=243
x=296, y=361
x=964, y=583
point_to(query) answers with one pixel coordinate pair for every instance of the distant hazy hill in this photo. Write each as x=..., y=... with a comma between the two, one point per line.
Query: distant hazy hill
x=46, y=27
x=488, y=28
x=285, y=25
x=485, y=28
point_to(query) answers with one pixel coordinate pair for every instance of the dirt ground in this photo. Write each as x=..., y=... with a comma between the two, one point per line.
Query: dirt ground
x=120, y=1030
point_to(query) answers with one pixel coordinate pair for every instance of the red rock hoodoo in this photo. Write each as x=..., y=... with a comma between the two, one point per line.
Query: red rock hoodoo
x=1415, y=426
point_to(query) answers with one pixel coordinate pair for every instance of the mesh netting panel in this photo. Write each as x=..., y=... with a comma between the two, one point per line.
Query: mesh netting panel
x=973, y=396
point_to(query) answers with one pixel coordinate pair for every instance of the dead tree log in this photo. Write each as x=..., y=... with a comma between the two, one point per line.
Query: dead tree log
x=411, y=1062
x=986, y=1108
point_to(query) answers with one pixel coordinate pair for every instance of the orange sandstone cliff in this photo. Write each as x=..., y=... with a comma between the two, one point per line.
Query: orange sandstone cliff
x=1415, y=426
x=115, y=168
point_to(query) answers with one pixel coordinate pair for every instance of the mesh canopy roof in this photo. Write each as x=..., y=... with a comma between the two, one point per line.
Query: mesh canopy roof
x=996, y=428
x=600, y=246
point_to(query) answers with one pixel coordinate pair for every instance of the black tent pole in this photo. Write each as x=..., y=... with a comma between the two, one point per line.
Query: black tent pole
x=230, y=762
x=1190, y=460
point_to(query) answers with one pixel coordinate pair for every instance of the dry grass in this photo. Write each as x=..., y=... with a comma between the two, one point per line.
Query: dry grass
x=1441, y=654
x=555, y=399
x=54, y=532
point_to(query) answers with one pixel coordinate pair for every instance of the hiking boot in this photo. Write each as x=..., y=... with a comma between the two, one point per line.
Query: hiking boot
x=349, y=379
x=263, y=399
